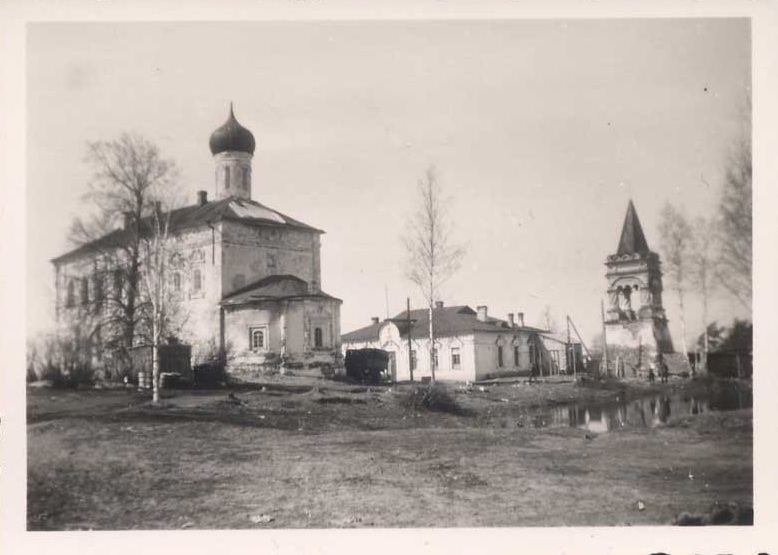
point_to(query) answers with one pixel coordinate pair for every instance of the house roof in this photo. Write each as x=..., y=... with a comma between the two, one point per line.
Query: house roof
x=558, y=337
x=232, y=209
x=447, y=321
x=276, y=287
x=633, y=240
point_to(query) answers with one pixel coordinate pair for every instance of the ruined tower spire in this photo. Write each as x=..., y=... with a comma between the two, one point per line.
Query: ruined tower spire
x=632, y=241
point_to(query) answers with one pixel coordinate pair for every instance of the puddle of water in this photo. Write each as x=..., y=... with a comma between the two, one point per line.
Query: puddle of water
x=640, y=413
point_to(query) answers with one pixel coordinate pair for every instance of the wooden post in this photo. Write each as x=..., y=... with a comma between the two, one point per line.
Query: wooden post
x=569, y=356
x=572, y=347
x=604, y=339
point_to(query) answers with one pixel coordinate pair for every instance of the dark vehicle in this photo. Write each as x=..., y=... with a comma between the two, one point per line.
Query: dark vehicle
x=367, y=365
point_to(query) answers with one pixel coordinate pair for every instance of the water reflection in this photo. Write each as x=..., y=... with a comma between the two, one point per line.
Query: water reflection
x=647, y=412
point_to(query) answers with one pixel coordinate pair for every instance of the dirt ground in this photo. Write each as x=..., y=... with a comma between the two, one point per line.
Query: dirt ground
x=312, y=453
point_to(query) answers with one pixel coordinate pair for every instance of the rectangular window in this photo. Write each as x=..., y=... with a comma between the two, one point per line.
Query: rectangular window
x=70, y=297
x=176, y=282
x=318, y=338
x=197, y=280
x=500, y=362
x=413, y=360
x=516, y=355
x=84, y=291
x=435, y=357
x=98, y=285
x=258, y=339
x=118, y=285
x=456, y=361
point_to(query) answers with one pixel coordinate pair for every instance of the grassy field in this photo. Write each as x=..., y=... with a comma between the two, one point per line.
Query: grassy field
x=311, y=453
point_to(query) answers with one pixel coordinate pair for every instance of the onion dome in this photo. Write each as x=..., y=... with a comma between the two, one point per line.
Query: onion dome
x=232, y=136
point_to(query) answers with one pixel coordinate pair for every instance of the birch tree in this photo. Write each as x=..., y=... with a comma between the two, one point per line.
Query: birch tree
x=432, y=256
x=155, y=258
x=735, y=237
x=675, y=238
x=703, y=268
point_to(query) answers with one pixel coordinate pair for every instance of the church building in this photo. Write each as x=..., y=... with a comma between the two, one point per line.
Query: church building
x=245, y=278
x=636, y=327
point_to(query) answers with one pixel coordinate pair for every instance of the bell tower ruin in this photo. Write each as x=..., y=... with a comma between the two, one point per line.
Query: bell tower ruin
x=635, y=323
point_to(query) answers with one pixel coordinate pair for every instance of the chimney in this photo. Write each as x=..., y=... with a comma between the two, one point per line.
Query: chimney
x=375, y=319
x=126, y=220
x=511, y=321
x=521, y=319
x=202, y=198
x=438, y=304
x=482, y=313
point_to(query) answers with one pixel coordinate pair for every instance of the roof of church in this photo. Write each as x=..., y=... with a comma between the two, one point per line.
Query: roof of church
x=275, y=287
x=447, y=321
x=632, y=241
x=232, y=136
x=231, y=208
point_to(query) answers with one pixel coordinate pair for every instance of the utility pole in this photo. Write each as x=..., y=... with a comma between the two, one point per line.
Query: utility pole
x=569, y=349
x=410, y=345
x=604, y=338
x=572, y=348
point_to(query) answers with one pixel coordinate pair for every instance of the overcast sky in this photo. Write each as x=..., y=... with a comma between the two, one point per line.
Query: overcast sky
x=540, y=131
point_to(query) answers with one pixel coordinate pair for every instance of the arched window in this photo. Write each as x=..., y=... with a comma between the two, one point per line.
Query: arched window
x=197, y=280
x=318, y=338
x=226, y=177
x=176, y=282
x=70, y=295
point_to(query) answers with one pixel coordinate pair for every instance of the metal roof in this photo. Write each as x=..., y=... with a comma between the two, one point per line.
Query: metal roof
x=447, y=321
x=232, y=209
x=276, y=287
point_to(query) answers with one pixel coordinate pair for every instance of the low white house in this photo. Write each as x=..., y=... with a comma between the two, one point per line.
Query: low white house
x=469, y=344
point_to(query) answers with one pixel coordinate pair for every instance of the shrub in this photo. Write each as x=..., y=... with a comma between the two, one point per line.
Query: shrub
x=208, y=374
x=433, y=397
x=60, y=360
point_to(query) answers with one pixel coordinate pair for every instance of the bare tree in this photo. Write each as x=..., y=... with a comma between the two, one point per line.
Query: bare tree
x=702, y=271
x=132, y=299
x=675, y=237
x=735, y=237
x=431, y=255
x=129, y=176
x=548, y=321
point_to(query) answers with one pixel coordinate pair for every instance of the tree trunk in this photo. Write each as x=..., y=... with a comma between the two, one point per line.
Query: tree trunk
x=432, y=346
x=683, y=327
x=705, y=347
x=155, y=360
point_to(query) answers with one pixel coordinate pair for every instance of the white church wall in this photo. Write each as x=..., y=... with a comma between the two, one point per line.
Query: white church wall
x=252, y=253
